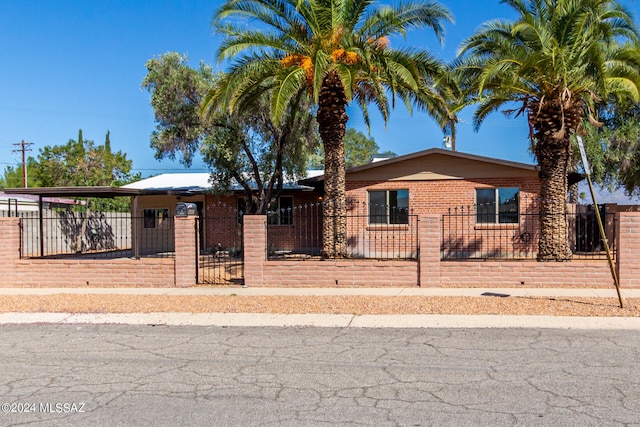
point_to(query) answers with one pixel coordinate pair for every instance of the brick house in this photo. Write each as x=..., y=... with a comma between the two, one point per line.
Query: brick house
x=411, y=196
x=382, y=198
x=434, y=180
x=390, y=192
x=220, y=214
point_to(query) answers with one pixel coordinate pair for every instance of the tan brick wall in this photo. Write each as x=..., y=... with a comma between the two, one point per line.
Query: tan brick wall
x=340, y=273
x=478, y=273
x=429, y=229
x=255, y=249
x=121, y=272
x=145, y=272
x=587, y=274
x=9, y=249
x=628, y=244
x=429, y=271
x=432, y=272
x=186, y=253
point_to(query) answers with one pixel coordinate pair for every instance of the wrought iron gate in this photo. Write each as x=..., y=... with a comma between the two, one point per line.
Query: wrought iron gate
x=220, y=256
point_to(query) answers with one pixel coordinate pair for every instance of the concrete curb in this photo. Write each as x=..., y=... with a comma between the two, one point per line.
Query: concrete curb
x=326, y=320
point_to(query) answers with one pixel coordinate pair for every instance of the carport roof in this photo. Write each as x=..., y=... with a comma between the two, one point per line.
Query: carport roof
x=180, y=184
x=104, y=192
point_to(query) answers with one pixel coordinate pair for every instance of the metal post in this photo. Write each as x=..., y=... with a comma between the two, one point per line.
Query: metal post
x=585, y=164
x=41, y=221
x=604, y=240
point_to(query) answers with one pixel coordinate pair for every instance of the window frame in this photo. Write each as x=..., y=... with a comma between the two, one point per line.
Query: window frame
x=153, y=218
x=398, y=217
x=241, y=208
x=498, y=216
x=276, y=216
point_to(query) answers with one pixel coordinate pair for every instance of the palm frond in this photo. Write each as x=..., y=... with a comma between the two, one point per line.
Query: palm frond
x=287, y=86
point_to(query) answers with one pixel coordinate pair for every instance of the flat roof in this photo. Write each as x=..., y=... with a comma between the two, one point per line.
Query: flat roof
x=103, y=192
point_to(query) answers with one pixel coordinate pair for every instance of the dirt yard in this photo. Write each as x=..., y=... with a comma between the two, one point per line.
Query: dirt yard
x=357, y=305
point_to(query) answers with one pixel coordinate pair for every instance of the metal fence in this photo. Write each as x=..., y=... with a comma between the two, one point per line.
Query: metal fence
x=296, y=232
x=467, y=234
x=63, y=233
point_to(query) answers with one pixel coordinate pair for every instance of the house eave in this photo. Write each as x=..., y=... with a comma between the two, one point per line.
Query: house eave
x=430, y=151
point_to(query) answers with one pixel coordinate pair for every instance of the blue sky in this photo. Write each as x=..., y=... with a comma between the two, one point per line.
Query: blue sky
x=71, y=64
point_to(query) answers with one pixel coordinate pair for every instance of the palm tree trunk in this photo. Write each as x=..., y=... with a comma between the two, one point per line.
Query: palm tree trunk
x=332, y=124
x=553, y=158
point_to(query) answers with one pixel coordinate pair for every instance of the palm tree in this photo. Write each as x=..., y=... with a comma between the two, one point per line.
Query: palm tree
x=334, y=52
x=556, y=61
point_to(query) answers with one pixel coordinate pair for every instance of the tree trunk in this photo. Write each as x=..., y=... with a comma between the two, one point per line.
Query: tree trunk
x=553, y=158
x=332, y=124
x=574, y=193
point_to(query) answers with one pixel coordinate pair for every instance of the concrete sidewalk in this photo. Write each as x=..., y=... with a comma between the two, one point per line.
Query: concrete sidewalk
x=330, y=320
x=326, y=320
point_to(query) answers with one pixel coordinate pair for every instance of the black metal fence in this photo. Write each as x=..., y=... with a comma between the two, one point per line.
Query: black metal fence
x=468, y=234
x=373, y=232
x=63, y=233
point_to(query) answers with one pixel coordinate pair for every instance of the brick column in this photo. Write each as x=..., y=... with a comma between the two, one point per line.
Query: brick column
x=628, y=250
x=255, y=248
x=9, y=249
x=429, y=261
x=185, y=247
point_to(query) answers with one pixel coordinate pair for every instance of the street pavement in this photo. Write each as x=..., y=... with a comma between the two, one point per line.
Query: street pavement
x=144, y=375
x=225, y=369
x=329, y=320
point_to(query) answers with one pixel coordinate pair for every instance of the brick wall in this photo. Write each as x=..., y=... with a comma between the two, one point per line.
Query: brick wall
x=145, y=272
x=431, y=271
x=186, y=252
x=628, y=244
x=427, y=271
x=121, y=272
x=340, y=273
x=255, y=249
x=587, y=274
x=260, y=272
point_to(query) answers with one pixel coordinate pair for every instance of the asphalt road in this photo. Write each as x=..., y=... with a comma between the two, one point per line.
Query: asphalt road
x=111, y=375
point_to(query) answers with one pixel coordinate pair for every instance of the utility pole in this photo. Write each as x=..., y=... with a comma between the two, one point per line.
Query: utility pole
x=24, y=149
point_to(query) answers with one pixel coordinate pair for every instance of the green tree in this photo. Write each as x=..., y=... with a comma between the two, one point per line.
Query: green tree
x=358, y=150
x=82, y=163
x=244, y=147
x=337, y=51
x=176, y=91
x=555, y=60
x=614, y=149
x=12, y=176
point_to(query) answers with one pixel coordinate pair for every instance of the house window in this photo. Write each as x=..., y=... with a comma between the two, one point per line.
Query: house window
x=242, y=208
x=497, y=205
x=281, y=211
x=389, y=207
x=154, y=218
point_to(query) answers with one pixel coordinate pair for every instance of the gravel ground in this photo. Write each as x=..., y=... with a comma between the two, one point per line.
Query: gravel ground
x=357, y=305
